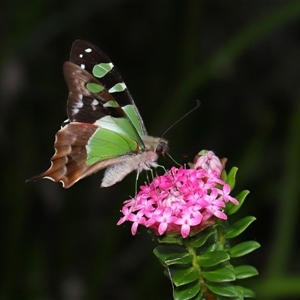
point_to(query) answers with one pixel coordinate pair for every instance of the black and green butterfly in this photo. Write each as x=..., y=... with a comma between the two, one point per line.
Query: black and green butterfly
x=104, y=128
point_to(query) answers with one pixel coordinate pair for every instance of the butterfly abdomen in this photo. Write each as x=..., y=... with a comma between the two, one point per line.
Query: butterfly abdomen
x=143, y=160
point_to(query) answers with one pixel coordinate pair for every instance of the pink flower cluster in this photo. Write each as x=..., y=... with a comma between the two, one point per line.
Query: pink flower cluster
x=181, y=200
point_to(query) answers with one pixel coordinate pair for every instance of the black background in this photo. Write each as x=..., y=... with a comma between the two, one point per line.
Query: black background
x=241, y=59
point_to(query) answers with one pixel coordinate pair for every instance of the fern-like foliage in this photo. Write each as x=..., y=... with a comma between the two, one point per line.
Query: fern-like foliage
x=201, y=266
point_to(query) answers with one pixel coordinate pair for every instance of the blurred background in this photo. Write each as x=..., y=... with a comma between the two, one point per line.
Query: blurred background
x=240, y=58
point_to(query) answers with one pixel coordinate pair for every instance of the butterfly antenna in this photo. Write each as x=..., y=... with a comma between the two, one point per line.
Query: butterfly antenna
x=197, y=106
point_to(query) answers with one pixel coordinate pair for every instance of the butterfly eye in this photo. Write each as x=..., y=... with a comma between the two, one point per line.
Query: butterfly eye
x=161, y=148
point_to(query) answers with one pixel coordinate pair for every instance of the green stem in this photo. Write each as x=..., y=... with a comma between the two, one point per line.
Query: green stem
x=220, y=236
x=196, y=265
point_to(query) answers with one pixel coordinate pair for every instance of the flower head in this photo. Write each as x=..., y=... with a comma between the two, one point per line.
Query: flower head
x=182, y=200
x=208, y=161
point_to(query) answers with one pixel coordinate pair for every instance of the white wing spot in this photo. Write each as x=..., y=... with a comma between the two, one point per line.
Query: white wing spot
x=82, y=66
x=81, y=55
x=79, y=104
x=94, y=104
x=88, y=50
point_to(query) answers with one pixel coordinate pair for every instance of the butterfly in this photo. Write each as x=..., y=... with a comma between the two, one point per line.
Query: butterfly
x=104, y=128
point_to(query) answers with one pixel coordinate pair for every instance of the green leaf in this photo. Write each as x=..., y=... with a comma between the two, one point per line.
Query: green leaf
x=172, y=254
x=200, y=239
x=247, y=293
x=210, y=259
x=220, y=275
x=243, y=248
x=170, y=238
x=231, y=177
x=245, y=271
x=187, y=291
x=223, y=290
x=199, y=296
x=213, y=247
x=232, y=208
x=238, y=227
x=224, y=175
x=184, y=275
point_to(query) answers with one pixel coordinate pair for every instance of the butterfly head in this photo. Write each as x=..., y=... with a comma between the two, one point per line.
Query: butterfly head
x=155, y=145
x=162, y=147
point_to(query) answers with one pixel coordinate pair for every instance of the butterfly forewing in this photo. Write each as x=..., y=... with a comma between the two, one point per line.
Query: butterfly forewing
x=83, y=105
x=87, y=56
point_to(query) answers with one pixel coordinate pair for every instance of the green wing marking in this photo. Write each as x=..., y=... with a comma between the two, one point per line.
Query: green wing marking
x=117, y=88
x=130, y=126
x=94, y=87
x=120, y=125
x=105, y=143
x=102, y=69
x=131, y=114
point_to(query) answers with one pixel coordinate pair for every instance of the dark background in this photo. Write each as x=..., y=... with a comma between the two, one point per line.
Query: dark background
x=240, y=58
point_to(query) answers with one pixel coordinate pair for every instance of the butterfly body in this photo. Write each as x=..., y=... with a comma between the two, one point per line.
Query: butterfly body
x=104, y=128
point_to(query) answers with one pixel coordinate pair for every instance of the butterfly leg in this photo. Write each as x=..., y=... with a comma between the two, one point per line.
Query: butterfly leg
x=147, y=175
x=136, y=180
x=161, y=166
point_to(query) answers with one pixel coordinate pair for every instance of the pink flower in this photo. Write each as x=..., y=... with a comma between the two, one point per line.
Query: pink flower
x=209, y=162
x=182, y=200
x=186, y=220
